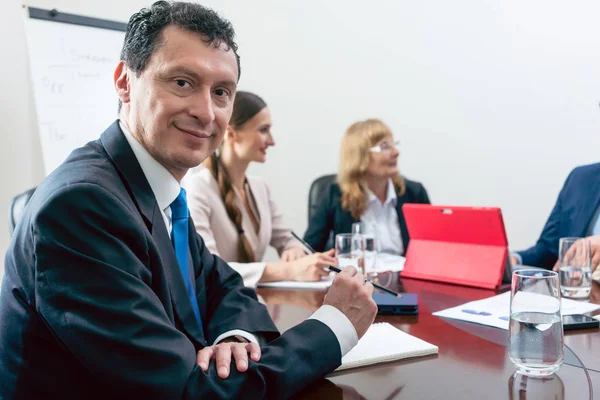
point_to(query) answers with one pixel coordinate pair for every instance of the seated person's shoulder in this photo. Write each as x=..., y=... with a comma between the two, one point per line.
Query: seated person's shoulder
x=586, y=170
x=256, y=181
x=200, y=183
x=413, y=186
x=86, y=182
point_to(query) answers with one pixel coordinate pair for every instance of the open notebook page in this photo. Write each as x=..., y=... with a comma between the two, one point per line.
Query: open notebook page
x=382, y=343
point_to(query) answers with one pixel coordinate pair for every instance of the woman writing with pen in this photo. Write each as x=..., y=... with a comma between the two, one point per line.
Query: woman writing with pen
x=235, y=214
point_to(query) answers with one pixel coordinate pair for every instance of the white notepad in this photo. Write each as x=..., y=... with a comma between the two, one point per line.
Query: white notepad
x=382, y=343
x=319, y=285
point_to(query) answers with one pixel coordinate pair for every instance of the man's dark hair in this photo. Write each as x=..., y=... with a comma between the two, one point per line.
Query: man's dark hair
x=143, y=35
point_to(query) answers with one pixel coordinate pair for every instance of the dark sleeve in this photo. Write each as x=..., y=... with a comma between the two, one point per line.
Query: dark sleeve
x=422, y=196
x=545, y=252
x=231, y=305
x=321, y=223
x=93, y=290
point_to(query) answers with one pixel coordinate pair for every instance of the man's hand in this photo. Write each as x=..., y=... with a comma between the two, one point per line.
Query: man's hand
x=595, y=245
x=595, y=250
x=222, y=353
x=350, y=294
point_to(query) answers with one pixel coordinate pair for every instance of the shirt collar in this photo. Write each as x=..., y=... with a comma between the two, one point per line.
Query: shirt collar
x=164, y=186
x=391, y=196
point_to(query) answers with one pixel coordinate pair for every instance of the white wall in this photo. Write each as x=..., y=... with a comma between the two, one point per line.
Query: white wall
x=494, y=102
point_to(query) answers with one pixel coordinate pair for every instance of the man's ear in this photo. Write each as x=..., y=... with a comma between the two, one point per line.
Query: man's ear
x=121, y=80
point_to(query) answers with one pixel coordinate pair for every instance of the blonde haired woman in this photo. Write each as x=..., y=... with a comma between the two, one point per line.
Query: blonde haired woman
x=369, y=189
x=236, y=215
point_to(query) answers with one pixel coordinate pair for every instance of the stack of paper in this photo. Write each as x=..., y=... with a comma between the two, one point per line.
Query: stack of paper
x=382, y=343
x=495, y=311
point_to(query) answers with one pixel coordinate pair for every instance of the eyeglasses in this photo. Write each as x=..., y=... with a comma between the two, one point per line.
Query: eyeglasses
x=385, y=147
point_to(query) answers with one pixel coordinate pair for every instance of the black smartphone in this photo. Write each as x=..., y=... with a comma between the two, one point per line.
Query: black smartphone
x=579, y=321
x=408, y=304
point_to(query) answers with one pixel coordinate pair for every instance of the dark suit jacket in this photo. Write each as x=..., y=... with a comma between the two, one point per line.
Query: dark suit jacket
x=329, y=216
x=572, y=215
x=93, y=304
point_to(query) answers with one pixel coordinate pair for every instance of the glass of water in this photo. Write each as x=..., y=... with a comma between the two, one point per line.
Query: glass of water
x=535, y=330
x=370, y=243
x=575, y=258
x=350, y=250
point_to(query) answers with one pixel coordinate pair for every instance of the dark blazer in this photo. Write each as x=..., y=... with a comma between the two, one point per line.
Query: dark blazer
x=329, y=216
x=93, y=304
x=572, y=215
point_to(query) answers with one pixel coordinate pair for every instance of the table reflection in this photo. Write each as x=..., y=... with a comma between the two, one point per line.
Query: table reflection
x=522, y=387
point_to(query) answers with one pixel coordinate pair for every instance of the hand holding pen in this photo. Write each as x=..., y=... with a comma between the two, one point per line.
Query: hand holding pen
x=336, y=269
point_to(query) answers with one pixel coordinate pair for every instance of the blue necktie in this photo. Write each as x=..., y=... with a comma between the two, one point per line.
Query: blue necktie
x=179, y=235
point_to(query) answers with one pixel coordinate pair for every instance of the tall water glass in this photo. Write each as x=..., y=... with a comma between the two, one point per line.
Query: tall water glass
x=535, y=330
x=350, y=250
x=575, y=269
x=370, y=242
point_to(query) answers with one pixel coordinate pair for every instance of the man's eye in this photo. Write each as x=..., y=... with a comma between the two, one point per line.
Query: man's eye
x=221, y=92
x=182, y=83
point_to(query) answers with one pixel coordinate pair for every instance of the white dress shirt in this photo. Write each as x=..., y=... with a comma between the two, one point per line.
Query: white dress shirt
x=166, y=189
x=382, y=220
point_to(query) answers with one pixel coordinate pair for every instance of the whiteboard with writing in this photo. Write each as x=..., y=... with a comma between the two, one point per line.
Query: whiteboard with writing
x=72, y=75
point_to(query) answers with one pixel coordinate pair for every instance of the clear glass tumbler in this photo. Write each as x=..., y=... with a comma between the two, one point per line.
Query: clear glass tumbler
x=535, y=329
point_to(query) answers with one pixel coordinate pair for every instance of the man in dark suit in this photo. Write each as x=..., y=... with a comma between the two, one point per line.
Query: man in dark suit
x=108, y=291
x=575, y=214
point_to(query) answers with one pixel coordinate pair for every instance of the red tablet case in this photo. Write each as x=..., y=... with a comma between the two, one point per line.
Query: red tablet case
x=460, y=245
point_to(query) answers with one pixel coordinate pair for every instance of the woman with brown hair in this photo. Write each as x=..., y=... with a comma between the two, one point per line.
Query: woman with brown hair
x=235, y=214
x=369, y=189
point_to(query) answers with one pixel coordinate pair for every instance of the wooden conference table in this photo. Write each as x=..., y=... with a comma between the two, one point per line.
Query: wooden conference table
x=472, y=362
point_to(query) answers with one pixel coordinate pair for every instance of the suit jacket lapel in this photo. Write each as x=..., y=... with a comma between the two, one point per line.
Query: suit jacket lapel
x=126, y=163
x=590, y=205
x=345, y=224
x=401, y=221
x=183, y=307
x=197, y=271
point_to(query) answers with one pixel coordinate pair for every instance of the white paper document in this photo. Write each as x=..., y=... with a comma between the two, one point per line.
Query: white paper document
x=389, y=262
x=382, y=343
x=495, y=311
x=384, y=262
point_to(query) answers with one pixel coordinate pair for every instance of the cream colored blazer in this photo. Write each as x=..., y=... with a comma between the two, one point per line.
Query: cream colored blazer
x=218, y=231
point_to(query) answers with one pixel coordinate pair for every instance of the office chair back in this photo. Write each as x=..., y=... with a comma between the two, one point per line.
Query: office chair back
x=315, y=192
x=16, y=208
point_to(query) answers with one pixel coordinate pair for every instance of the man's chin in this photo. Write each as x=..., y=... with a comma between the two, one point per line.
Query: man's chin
x=189, y=161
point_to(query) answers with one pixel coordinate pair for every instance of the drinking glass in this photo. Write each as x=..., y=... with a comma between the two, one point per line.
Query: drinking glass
x=535, y=330
x=350, y=250
x=575, y=269
x=370, y=243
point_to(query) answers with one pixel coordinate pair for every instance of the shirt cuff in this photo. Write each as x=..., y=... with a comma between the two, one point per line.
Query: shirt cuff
x=340, y=325
x=244, y=334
